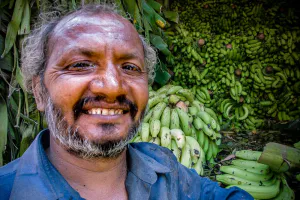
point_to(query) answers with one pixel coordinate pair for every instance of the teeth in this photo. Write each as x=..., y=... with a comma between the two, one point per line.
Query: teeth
x=104, y=111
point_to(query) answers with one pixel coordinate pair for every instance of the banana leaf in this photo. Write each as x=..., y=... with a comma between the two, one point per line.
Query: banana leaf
x=25, y=24
x=13, y=26
x=130, y=6
x=155, y=5
x=161, y=74
x=3, y=127
x=171, y=16
x=159, y=43
x=6, y=62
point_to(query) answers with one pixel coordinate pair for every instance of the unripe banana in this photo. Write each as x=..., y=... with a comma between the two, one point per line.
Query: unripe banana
x=198, y=123
x=198, y=167
x=176, y=151
x=186, y=158
x=261, y=192
x=196, y=151
x=178, y=136
x=155, y=140
x=145, y=132
x=187, y=94
x=175, y=122
x=174, y=89
x=165, y=136
x=154, y=127
x=244, y=174
x=166, y=117
x=252, y=166
x=248, y=155
x=205, y=117
x=184, y=121
x=148, y=116
x=158, y=110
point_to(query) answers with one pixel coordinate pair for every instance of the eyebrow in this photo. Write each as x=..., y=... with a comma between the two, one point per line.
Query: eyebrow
x=84, y=51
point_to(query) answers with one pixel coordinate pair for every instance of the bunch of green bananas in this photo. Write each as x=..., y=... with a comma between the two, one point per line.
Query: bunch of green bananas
x=248, y=55
x=255, y=178
x=176, y=120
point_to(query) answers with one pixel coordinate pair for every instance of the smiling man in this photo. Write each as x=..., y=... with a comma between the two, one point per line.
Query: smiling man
x=89, y=72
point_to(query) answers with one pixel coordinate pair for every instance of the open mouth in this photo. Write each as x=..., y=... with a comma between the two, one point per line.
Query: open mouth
x=105, y=111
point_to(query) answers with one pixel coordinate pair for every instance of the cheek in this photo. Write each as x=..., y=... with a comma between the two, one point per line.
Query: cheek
x=65, y=93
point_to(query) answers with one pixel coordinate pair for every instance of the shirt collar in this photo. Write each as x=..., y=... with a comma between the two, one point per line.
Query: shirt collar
x=145, y=167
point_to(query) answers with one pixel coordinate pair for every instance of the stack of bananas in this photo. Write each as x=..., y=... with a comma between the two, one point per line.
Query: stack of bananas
x=247, y=57
x=255, y=178
x=177, y=121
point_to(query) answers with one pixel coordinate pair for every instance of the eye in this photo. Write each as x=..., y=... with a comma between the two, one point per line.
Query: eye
x=131, y=67
x=80, y=66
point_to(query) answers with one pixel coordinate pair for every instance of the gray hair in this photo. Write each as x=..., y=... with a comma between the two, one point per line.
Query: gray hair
x=34, y=49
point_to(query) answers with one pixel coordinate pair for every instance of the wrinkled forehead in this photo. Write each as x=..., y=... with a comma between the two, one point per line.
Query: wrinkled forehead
x=109, y=25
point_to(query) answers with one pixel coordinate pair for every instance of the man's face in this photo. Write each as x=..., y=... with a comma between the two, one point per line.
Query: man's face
x=96, y=78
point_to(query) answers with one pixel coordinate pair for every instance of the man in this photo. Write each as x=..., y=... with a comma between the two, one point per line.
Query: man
x=89, y=72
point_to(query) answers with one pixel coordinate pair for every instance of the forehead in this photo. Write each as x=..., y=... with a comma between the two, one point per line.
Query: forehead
x=99, y=27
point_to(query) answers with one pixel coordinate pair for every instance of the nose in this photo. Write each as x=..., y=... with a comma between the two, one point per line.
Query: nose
x=108, y=83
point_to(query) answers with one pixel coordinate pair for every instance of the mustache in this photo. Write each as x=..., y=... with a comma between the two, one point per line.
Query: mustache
x=121, y=100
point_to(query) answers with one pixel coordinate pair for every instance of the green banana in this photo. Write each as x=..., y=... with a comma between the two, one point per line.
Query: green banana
x=166, y=117
x=251, y=166
x=248, y=155
x=176, y=151
x=261, y=192
x=158, y=110
x=175, y=121
x=165, y=136
x=186, y=158
x=205, y=117
x=154, y=127
x=184, y=121
x=145, y=132
x=196, y=151
x=179, y=137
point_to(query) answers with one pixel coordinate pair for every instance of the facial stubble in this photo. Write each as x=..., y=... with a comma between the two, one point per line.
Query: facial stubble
x=74, y=141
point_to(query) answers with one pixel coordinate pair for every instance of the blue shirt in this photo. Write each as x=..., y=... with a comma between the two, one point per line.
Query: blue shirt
x=153, y=173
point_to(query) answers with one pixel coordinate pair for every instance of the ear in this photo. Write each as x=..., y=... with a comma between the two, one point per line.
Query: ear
x=37, y=92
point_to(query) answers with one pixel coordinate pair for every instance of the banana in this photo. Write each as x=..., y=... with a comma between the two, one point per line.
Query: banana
x=213, y=124
x=166, y=117
x=196, y=151
x=211, y=113
x=215, y=149
x=145, y=132
x=261, y=192
x=148, y=116
x=285, y=192
x=193, y=110
x=186, y=158
x=174, y=89
x=244, y=174
x=165, y=136
x=155, y=100
x=198, y=123
x=248, y=155
x=198, y=167
x=187, y=94
x=184, y=121
x=208, y=131
x=173, y=99
x=155, y=140
x=229, y=179
x=137, y=139
x=251, y=166
x=158, y=110
x=205, y=117
x=246, y=113
x=205, y=144
x=179, y=137
x=154, y=127
x=176, y=151
x=164, y=89
x=200, y=138
x=175, y=122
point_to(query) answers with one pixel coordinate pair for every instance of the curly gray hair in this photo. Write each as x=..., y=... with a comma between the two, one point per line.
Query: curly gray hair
x=34, y=49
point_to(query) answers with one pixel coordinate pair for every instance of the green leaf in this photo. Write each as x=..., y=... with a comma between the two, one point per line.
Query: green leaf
x=155, y=5
x=172, y=16
x=6, y=62
x=25, y=24
x=161, y=75
x=26, y=138
x=13, y=26
x=159, y=43
x=3, y=127
x=130, y=6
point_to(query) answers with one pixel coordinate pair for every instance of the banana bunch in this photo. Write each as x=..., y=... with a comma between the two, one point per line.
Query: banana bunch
x=243, y=55
x=255, y=178
x=176, y=120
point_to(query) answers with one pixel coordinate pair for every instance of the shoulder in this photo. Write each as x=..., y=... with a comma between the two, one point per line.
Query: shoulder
x=162, y=155
x=7, y=177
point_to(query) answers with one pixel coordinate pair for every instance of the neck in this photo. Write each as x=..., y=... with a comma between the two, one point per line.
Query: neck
x=92, y=174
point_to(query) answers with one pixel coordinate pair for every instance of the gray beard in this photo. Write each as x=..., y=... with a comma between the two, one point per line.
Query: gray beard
x=73, y=142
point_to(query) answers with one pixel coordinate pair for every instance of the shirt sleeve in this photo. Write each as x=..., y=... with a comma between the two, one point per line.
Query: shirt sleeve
x=193, y=186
